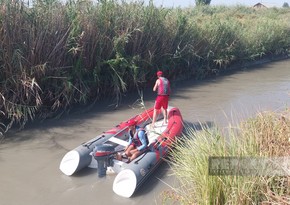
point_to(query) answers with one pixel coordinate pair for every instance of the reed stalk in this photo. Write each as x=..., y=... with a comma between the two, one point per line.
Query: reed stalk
x=55, y=55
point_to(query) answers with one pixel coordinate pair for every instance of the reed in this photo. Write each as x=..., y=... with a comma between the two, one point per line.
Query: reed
x=57, y=55
x=266, y=135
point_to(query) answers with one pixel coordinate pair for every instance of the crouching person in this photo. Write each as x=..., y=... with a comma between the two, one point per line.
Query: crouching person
x=138, y=141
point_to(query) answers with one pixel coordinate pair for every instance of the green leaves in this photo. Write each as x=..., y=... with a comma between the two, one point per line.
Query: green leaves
x=202, y=2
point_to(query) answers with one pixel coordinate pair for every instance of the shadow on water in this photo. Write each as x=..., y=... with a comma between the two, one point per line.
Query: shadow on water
x=197, y=126
x=86, y=172
x=79, y=112
x=153, y=179
x=75, y=118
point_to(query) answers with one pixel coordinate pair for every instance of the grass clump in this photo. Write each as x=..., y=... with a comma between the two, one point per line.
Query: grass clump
x=266, y=135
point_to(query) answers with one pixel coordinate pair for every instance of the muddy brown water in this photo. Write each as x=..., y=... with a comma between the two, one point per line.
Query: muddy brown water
x=29, y=159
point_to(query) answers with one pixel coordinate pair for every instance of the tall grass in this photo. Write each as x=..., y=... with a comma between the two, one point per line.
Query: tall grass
x=55, y=55
x=266, y=135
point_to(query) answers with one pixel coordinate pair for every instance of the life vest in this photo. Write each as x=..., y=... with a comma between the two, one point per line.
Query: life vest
x=135, y=139
x=164, y=86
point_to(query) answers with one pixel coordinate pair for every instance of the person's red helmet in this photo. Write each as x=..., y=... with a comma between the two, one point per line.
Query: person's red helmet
x=131, y=123
x=159, y=73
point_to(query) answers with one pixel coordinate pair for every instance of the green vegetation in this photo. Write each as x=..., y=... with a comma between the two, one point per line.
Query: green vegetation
x=266, y=135
x=202, y=2
x=54, y=56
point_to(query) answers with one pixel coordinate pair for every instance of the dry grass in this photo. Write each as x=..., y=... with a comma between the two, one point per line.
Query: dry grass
x=266, y=135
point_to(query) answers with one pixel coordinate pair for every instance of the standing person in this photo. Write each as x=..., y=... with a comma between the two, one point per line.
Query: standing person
x=138, y=141
x=162, y=86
